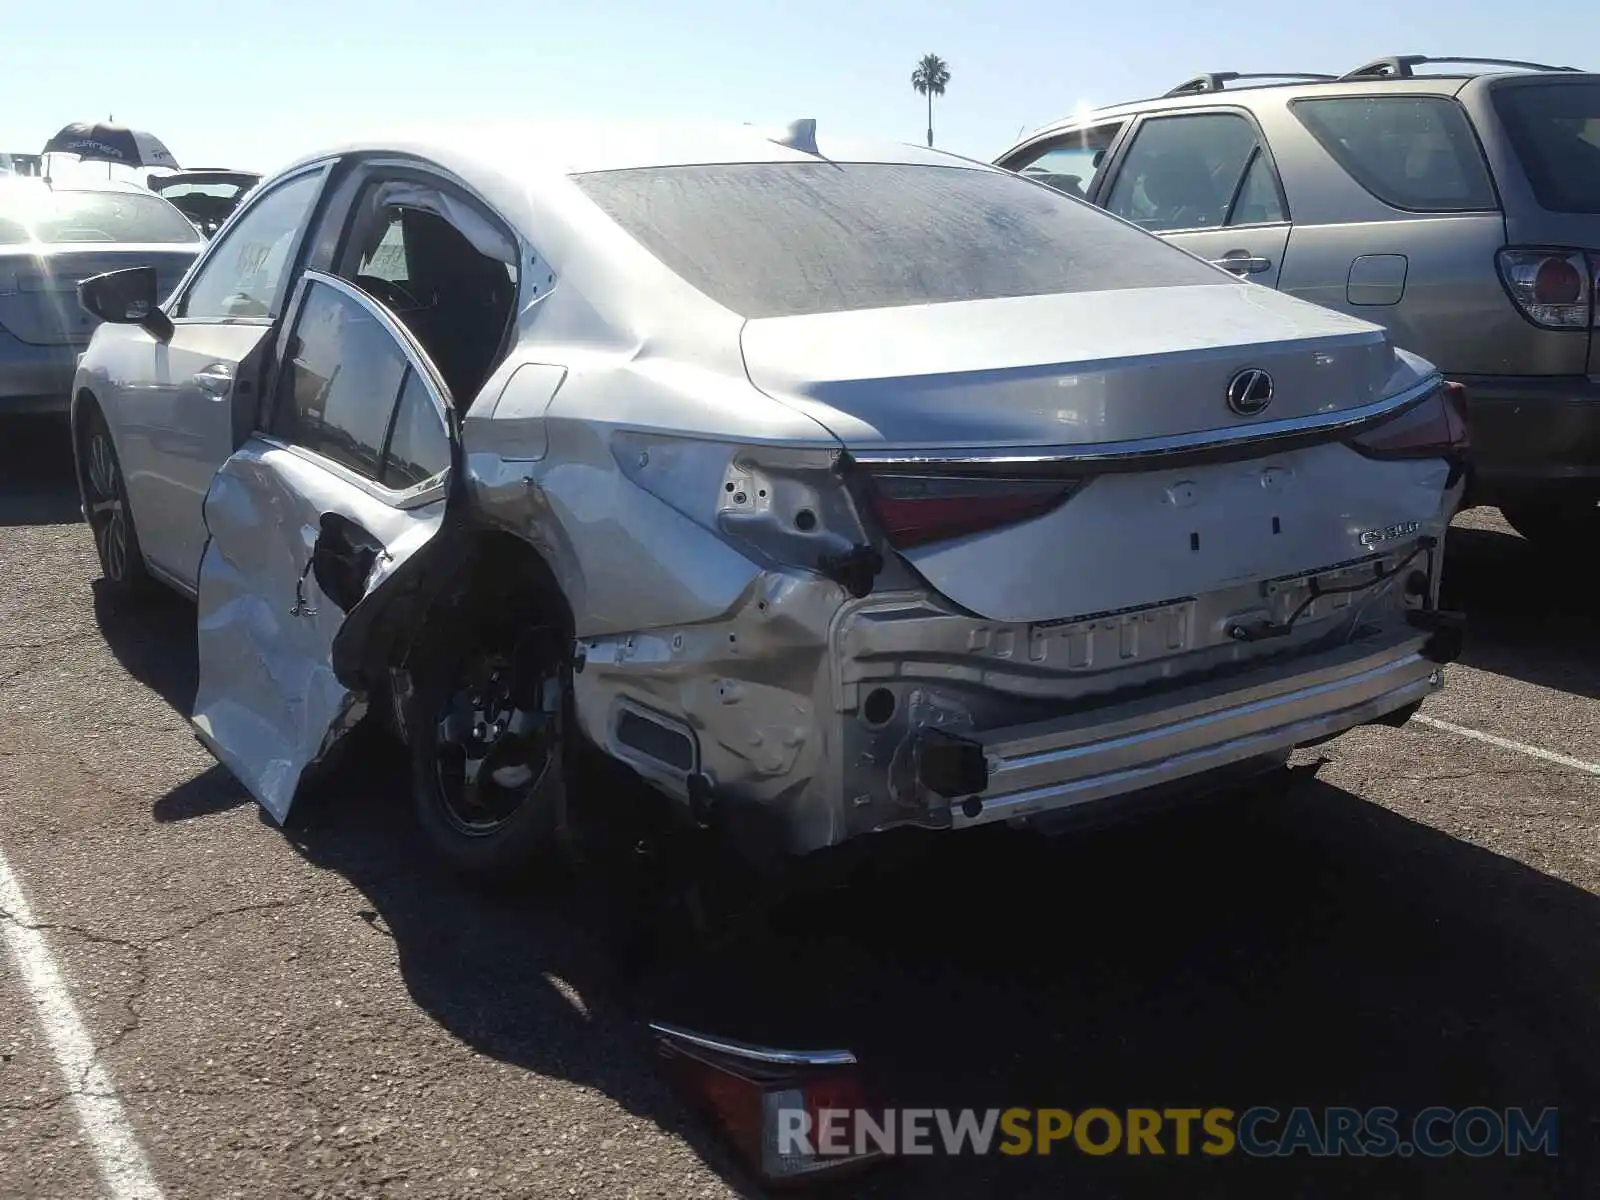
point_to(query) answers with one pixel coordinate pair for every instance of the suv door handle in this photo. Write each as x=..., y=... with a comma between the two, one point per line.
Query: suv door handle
x=216, y=379
x=1242, y=262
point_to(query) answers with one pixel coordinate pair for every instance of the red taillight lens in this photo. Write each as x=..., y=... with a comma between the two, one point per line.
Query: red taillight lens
x=1553, y=288
x=1435, y=428
x=1557, y=281
x=772, y=1115
x=917, y=509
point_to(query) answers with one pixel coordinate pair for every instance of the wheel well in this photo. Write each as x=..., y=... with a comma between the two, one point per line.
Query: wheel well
x=463, y=572
x=498, y=567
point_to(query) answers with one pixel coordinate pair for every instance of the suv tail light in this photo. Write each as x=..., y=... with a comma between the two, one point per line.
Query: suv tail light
x=1553, y=288
x=1434, y=428
x=917, y=509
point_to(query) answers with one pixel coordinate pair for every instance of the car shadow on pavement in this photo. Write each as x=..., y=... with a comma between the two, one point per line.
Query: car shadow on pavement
x=1299, y=948
x=1529, y=616
x=36, y=486
x=153, y=639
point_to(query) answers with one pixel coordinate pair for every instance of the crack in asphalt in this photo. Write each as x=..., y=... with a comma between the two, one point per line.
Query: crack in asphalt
x=141, y=951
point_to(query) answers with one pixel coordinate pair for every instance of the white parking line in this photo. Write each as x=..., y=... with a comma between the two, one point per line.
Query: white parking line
x=117, y=1154
x=1549, y=756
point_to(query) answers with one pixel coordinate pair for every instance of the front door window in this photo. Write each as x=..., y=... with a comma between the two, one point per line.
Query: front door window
x=1070, y=164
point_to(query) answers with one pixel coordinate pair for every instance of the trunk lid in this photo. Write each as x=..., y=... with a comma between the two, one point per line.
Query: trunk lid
x=988, y=382
x=39, y=285
x=1067, y=369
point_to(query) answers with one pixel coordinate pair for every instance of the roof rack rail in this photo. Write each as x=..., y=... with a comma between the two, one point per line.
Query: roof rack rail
x=1399, y=66
x=1214, y=81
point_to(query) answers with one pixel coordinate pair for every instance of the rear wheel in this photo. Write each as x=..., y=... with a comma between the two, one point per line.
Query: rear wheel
x=110, y=518
x=1554, y=524
x=490, y=753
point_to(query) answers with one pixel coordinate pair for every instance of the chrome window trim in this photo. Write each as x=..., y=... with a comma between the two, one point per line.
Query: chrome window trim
x=1112, y=454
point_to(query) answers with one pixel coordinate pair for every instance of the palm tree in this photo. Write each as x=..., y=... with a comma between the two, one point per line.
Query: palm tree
x=930, y=78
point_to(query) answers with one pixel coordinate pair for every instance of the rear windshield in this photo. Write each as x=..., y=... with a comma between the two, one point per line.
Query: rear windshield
x=40, y=214
x=789, y=239
x=1555, y=130
x=1416, y=153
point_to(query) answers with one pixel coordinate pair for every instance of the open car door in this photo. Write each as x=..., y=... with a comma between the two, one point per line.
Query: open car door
x=308, y=521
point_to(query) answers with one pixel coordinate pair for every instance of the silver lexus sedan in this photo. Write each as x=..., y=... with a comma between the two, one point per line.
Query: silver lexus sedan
x=51, y=237
x=829, y=486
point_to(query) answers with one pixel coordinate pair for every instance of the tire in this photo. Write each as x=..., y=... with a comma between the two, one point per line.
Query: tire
x=105, y=504
x=1554, y=525
x=494, y=833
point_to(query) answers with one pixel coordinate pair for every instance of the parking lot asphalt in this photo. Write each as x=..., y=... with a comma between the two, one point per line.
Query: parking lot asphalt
x=323, y=1012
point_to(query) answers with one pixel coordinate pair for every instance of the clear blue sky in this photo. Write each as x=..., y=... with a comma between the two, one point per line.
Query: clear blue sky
x=253, y=83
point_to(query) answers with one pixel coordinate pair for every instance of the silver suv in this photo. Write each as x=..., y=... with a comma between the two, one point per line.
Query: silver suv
x=1461, y=210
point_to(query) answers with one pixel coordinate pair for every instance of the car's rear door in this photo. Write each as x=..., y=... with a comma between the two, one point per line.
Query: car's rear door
x=177, y=420
x=347, y=481
x=1205, y=181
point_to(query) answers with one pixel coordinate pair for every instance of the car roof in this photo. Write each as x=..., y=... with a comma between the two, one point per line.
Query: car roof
x=539, y=149
x=1394, y=73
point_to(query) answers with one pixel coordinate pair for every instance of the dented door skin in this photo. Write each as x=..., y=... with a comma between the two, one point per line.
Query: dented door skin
x=305, y=522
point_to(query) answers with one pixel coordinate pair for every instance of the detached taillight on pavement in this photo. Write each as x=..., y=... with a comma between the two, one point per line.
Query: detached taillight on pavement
x=767, y=1103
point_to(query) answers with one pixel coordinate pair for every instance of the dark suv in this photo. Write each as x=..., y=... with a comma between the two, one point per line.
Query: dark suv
x=1460, y=209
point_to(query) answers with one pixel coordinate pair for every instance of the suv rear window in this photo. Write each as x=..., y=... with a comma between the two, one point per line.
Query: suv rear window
x=1555, y=130
x=1416, y=153
x=788, y=239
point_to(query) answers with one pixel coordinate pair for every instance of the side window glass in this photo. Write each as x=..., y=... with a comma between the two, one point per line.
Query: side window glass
x=1182, y=172
x=244, y=269
x=1258, y=202
x=1412, y=152
x=339, y=382
x=1071, y=165
x=419, y=447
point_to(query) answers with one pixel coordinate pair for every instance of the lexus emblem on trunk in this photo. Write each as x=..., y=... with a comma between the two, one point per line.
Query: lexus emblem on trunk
x=1249, y=392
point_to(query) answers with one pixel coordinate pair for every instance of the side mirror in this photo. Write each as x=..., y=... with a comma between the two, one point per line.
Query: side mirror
x=126, y=297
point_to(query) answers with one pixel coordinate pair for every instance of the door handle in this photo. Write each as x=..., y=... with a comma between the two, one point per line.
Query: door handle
x=1242, y=262
x=216, y=380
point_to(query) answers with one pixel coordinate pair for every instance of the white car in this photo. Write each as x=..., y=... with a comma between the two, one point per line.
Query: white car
x=830, y=486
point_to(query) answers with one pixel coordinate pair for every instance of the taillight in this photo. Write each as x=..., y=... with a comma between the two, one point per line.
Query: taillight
x=917, y=509
x=1434, y=428
x=775, y=1108
x=1553, y=288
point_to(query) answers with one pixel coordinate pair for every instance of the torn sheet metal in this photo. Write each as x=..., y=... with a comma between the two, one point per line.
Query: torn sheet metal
x=268, y=704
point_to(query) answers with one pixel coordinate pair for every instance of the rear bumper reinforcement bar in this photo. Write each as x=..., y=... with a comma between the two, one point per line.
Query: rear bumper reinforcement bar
x=1109, y=751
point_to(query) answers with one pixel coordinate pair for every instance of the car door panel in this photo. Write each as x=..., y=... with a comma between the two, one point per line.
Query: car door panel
x=269, y=703
x=1226, y=186
x=193, y=398
x=200, y=402
x=1251, y=252
x=300, y=539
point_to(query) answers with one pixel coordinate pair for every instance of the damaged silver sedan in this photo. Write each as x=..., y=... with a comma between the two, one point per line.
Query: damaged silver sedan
x=830, y=487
